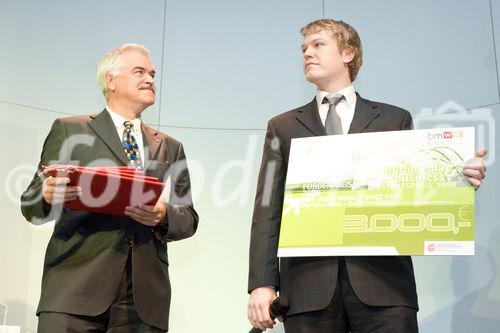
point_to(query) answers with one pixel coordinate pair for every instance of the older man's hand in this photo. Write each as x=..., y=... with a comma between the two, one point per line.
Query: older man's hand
x=148, y=215
x=55, y=190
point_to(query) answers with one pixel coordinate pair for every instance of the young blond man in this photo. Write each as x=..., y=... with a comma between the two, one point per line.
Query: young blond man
x=330, y=294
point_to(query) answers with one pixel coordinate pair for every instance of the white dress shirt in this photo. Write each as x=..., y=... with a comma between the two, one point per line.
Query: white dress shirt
x=345, y=108
x=118, y=120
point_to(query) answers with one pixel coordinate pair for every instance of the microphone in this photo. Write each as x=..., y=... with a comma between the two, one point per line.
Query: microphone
x=279, y=307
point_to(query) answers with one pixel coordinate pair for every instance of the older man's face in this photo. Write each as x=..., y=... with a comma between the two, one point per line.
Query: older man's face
x=134, y=85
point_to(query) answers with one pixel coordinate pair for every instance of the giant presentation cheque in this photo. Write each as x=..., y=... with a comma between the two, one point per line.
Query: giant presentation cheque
x=384, y=193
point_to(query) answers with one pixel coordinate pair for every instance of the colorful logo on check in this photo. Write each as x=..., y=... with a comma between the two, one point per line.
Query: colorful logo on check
x=431, y=247
x=445, y=135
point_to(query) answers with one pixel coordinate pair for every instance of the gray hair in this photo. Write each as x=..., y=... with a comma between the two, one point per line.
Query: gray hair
x=110, y=63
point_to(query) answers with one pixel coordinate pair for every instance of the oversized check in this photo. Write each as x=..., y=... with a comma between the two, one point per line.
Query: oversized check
x=384, y=193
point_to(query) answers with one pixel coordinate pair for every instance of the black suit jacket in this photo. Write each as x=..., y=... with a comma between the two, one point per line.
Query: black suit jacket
x=309, y=282
x=87, y=252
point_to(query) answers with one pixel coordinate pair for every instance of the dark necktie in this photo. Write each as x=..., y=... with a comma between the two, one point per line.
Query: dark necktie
x=130, y=146
x=333, y=123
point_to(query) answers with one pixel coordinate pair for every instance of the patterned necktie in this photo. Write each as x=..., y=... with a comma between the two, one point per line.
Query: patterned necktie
x=130, y=146
x=333, y=123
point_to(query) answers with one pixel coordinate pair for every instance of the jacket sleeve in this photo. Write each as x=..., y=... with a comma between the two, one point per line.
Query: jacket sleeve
x=181, y=220
x=407, y=123
x=33, y=207
x=264, y=263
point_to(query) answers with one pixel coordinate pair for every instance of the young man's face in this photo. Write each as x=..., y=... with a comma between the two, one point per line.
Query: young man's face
x=134, y=84
x=323, y=63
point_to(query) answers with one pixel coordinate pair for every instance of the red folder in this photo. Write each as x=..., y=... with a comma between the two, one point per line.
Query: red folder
x=108, y=190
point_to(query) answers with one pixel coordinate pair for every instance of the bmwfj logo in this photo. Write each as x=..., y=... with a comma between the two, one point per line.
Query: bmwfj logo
x=445, y=135
x=454, y=115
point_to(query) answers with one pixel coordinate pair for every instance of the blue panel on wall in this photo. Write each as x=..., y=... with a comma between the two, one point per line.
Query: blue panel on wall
x=234, y=64
x=53, y=48
x=223, y=167
x=422, y=54
x=459, y=293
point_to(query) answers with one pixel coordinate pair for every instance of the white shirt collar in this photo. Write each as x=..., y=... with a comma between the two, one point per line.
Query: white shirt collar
x=348, y=92
x=118, y=120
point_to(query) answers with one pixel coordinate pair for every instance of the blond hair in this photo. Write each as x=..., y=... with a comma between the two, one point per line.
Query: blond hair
x=110, y=63
x=347, y=39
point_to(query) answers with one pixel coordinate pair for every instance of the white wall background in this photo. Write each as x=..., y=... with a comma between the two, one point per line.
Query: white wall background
x=225, y=67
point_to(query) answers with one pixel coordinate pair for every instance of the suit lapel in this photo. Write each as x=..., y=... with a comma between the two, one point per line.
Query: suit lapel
x=308, y=116
x=364, y=113
x=151, y=144
x=103, y=126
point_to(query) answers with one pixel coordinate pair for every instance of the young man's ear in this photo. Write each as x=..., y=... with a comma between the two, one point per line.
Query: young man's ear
x=347, y=55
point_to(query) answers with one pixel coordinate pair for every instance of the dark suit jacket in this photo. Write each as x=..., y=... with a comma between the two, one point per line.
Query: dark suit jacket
x=309, y=282
x=87, y=252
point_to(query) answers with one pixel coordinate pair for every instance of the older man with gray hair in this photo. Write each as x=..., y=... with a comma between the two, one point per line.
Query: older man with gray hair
x=106, y=273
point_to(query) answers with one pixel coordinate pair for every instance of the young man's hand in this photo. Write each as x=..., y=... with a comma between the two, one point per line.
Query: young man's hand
x=474, y=169
x=258, y=307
